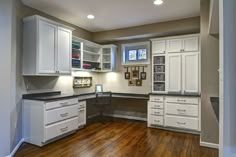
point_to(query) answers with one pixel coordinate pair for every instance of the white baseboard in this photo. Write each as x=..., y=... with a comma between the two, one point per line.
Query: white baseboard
x=209, y=145
x=92, y=116
x=126, y=117
x=16, y=148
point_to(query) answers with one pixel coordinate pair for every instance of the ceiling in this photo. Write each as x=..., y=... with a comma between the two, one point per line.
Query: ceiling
x=115, y=14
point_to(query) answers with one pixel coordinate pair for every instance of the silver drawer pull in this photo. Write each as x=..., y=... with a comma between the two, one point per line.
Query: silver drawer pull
x=181, y=100
x=156, y=121
x=64, y=114
x=181, y=123
x=157, y=106
x=64, y=129
x=64, y=103
x=181, y=110
x=157, y=112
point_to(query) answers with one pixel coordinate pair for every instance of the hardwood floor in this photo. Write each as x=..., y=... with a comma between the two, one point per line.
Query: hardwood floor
x=121, y=138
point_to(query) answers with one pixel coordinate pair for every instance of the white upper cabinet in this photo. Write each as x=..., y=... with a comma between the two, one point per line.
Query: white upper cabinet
x=158, y=46
x=47, y=47
x=186, y=44
x=64, y=51
x=174, y=73
x=174, y=45
x=191, y=44
x=191, y=72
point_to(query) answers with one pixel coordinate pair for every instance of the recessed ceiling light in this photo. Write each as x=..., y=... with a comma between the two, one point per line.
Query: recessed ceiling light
x=158, y=2
x=90, y=16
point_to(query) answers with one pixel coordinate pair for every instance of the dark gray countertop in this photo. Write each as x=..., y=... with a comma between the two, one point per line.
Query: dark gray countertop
x=51, y=96
x=172, y=94
x=57, y=95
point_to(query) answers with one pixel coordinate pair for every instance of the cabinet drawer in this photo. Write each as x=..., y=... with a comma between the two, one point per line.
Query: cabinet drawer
x=155, y=105
x=156, y=112
x=182, y=122
x=60, y=128
x=154, y=98
x=155, y=120
x=60, y=114
x=82, y=104
x=182, y=100
x=61, y=103
x=183, y=110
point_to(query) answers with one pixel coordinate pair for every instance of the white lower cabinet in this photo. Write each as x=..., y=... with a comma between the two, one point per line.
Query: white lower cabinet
x=182, y=113
x=182, y=122
x=45, y=121
x=60, y=128
x=82, y=114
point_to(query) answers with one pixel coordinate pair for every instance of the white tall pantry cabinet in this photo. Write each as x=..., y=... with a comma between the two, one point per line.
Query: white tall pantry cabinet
x=182, y=64
x=47, y=47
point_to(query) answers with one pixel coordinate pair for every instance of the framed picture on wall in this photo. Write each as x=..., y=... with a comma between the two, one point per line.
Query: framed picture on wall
x=135, y=74
x=132, y=82
x=143, y=76
x=138, y=82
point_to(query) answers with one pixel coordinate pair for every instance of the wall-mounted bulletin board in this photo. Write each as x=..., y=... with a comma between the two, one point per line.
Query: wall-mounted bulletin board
x=82, y=82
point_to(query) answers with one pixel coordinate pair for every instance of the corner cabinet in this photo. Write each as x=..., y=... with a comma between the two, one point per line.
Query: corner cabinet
x=89, y=56
x=47, y=47
x=178, y=60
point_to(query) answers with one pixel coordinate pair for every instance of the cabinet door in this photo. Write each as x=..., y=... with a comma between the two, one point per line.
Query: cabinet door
x=106, y=58
x=47, y=48
x=159, y=46
x=191, y=44
x=174, y=45
x=64, y=51
x=191, y=72
x=174, y=73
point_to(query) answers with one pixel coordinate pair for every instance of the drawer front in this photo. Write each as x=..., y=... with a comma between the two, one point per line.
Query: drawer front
x=182, y=122
x=155, y=105
x=182, y=100
x=60, y=128
x=156, y=112
x=183, y=110
x=155, y=120
x=60, y=114
x=61, y=103
x=82, y=117
x=82, y=104
x=154, y=98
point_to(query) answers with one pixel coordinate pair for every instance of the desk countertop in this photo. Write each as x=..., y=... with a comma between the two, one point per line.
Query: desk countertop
x=52, y=96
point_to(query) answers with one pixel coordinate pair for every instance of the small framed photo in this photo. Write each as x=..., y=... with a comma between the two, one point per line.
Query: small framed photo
x=143, y=75
x=135, y=74
x=132, y=82
x=127, y=75
x=98, y=88
x=138, y=82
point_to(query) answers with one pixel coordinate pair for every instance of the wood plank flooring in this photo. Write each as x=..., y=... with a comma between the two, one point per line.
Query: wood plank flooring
x=121, y=138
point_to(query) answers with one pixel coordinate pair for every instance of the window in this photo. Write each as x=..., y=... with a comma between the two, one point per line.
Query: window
x=132, y=55
x=136, y=53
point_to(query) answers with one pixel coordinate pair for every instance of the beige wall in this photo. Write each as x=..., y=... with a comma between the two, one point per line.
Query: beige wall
x=177, y=27
x=209, y=77
x=24, y=11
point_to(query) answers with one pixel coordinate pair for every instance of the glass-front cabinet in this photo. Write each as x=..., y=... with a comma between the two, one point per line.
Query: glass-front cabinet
x=159, y=74
x=109, y=57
